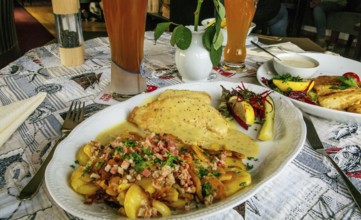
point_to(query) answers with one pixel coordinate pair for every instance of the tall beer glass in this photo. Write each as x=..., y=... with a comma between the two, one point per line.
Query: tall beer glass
x=125, y=23
x=239, y=14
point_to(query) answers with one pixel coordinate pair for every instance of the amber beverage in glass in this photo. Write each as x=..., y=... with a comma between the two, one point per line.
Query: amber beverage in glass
x=125, y=23
x=239, y=14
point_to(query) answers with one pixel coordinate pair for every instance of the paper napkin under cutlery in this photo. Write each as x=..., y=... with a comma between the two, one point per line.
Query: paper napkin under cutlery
x=275, y=48
x=14, y=114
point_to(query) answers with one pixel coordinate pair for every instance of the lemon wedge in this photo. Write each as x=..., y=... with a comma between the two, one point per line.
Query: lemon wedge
x=294, y=86
x=267, y=130
x=243, y=110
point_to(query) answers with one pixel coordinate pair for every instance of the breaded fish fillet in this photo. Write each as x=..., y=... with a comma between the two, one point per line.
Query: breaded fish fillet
x=340, y=100
x=189, y=116
x=354, y=108
x=324, y=85
x=201, y=96
x=181, y=112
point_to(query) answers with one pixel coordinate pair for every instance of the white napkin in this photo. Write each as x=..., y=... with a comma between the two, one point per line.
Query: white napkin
x=14, y=114
x=275, y=49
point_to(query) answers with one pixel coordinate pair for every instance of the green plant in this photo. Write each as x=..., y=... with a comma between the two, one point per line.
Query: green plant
x=212, y=37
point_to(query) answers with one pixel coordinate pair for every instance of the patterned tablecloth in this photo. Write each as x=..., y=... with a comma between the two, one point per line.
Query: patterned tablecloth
x=308, y=188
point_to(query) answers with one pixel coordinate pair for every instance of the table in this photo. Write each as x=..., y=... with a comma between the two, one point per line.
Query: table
x=306, y=189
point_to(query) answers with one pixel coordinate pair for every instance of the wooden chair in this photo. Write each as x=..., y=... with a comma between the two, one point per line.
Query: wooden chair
x=9, y=46
x=357, y=53
x=182, y=11
x=296, y=11
x=343, y=22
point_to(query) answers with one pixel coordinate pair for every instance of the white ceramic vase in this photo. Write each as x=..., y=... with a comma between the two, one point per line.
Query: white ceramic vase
x=194, y=64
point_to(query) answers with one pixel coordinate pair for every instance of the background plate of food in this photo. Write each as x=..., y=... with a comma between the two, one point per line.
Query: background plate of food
x=333, y=92
x=263, y=160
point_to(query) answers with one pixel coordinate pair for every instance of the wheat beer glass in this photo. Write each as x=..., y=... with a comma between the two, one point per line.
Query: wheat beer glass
x=239, y=14
x=125, y=23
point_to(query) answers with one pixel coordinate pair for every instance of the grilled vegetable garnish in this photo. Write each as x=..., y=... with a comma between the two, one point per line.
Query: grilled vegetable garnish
x=246, y=107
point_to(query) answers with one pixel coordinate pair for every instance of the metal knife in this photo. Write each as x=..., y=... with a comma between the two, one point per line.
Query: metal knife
x=317, y=145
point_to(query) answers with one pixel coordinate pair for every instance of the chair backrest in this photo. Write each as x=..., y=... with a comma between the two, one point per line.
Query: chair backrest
x=344, y=22
x=182, y=11
x=9, y=46
x=353, y=5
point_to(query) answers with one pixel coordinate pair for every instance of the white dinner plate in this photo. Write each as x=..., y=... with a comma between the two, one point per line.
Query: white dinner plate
x=274, y=155
x=329, y=65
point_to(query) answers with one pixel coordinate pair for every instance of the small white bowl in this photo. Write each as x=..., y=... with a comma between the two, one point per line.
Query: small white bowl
x=296, y=65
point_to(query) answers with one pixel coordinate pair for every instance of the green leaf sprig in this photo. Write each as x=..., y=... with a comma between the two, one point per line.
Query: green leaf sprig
x=346, y=82
x=212, y=37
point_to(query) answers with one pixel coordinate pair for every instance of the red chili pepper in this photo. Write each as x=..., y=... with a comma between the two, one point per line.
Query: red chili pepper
x=236, y=117
x=353, y=75
x=301, y=96
x=255, y=100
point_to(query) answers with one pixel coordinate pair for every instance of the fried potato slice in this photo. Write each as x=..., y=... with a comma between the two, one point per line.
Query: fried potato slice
x=354, y=108
x=325, y=85
x=340, y=100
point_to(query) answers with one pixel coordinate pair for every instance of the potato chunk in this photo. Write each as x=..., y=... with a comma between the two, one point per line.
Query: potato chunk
x=135, y=198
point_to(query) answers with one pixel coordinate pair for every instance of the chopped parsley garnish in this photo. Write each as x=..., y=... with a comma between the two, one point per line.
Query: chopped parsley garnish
x=157, y=160
x=76, y=161
x=216, y=174
x=87, y=169
x=147, y=151
x=119, y=150
x=242, y=184
x=252, y=158
x=288, y=77
x=72, y=166
x=99, y=163
x=139, y=168
x=130, y=143
x=197, y=161
x=136, y=157
x=170, y=161
x=183, y=150
x=249, y=166
x=206, y=189
x=202, y=172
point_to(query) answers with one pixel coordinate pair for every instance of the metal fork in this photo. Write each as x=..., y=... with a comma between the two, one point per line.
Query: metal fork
x=73, y=117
